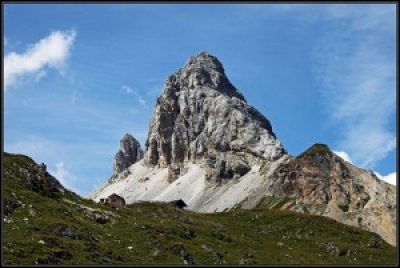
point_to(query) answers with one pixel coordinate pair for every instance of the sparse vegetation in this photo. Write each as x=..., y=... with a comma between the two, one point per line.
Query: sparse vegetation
x=274, y=202
x=316, y=148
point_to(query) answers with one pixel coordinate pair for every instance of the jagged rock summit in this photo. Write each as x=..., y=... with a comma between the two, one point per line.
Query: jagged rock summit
x=128, y=154
x=203, y=71
x=201, y=115
x=207, y=146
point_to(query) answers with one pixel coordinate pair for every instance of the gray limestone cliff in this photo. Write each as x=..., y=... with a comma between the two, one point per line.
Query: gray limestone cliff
x=201, y=115
x=128, y=154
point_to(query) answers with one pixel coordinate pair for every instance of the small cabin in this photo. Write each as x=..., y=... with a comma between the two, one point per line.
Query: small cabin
x=113, y=200
x=178, y=203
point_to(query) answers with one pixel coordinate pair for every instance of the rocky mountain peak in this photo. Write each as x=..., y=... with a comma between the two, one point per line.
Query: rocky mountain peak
x=128, y=154
x=201, y=116
x=205, y=61
x=203, y=70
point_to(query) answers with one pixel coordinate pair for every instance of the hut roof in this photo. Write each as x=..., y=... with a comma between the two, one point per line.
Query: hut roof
x=179, y=203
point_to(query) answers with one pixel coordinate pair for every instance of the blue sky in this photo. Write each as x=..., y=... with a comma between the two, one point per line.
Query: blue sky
x=78, y=77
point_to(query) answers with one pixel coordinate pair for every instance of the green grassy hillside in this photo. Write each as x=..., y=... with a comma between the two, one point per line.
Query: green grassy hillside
x=66, y=229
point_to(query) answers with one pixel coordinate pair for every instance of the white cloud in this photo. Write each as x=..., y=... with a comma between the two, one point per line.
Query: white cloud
x=129, y=90
x=344, y=156
x=390, y=178
x=67, y=179
x=50, y=52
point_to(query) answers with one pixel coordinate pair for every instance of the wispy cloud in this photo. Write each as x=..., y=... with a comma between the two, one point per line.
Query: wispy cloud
x=354, y=62
x=67, y=179
x=50, y=52
x=38, y=148
x=130, y=90
x=127, y=89
x=358, y=79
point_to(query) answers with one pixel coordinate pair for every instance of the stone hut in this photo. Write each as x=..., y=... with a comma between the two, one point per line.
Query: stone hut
x=114, y=200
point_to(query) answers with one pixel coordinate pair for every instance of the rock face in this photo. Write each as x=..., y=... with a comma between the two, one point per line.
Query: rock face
x=128, y=154
x=25, y=173
x=39, y=180
x=201, y=115
x=324, y=184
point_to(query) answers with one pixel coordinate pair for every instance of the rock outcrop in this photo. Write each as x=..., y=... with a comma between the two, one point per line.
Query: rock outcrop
x=324, y=184
x=27, y=174
x=40, y=180
x=128, y=154
x=201, y=115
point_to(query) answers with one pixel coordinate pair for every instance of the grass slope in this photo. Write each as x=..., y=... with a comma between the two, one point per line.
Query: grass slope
x=67, y=229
